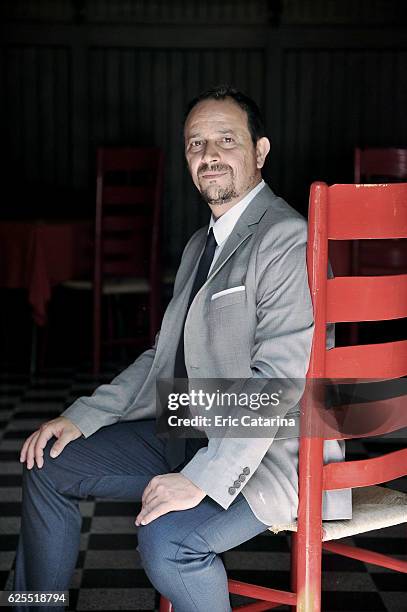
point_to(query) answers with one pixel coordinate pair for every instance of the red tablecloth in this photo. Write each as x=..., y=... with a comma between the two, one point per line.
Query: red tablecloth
x=38, y=255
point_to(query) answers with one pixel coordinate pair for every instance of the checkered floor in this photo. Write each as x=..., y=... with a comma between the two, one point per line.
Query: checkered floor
x=109, y=575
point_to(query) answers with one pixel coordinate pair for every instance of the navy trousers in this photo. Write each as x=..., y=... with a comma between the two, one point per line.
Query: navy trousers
x=179, y=551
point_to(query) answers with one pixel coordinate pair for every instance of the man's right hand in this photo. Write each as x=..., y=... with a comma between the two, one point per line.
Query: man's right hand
x=33, y=448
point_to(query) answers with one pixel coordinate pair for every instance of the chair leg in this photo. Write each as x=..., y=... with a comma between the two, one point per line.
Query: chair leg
x=110, y=322
x=154, y=313
x=34, y=350
x=293, y=566
x=165, y=605
x=308, y=578
x=96, y=332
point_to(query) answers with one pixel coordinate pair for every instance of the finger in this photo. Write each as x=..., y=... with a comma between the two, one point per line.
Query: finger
x=45, y=435
x=31, y=449
x=23, y=452
x=146, y=509
x=151, y=497
x=146, y=491
x=153, y=513
x=143, y=511
x=60, y=444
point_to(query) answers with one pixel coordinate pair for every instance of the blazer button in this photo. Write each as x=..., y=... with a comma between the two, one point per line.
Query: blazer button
x=242, y=477
x=246, y=471
x=232, y=490
x=236, y=484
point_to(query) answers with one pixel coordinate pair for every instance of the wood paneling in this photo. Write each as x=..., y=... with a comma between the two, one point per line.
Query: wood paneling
x=360, y=12
x=178, y=11
x=290, y=12
x=336, y=99
x=36, y=114
x=71, y=83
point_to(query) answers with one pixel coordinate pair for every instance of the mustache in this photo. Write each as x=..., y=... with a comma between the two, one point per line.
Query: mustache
x=213, y=168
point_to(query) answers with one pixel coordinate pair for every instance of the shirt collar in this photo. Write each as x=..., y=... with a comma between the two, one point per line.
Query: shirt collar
x=223, y=226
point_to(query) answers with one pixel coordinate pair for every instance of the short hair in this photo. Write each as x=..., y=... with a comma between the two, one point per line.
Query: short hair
x=221, y=92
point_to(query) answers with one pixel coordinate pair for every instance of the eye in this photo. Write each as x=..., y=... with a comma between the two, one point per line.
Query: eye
x=195, y=144
x=228, y=140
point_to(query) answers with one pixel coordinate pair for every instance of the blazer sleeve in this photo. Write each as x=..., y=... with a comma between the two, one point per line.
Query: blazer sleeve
x=109, y=402
x=281, y=349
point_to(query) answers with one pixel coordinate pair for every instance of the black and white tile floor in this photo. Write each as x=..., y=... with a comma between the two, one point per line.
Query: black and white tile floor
x=109, y=575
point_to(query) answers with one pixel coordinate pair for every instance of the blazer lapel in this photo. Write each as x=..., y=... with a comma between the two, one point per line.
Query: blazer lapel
x=243, y=228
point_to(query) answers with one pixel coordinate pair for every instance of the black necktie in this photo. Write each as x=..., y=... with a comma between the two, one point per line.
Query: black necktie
x=201, y=276
x=181, y=450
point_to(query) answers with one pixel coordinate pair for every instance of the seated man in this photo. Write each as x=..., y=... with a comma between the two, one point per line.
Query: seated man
x=241, y=309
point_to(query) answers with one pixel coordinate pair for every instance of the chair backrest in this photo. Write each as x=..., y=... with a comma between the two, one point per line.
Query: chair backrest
x=129, y=188
x=351, y=212
x=355, y=212
x=374, y=164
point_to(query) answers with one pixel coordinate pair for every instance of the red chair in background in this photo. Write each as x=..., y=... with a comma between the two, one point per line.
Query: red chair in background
x=378, y=165
x=372, y=257
x=129, y=188
x=344, y=212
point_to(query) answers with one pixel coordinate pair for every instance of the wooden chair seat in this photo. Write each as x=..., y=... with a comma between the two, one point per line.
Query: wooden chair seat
x=372, y=508
x=113, y=286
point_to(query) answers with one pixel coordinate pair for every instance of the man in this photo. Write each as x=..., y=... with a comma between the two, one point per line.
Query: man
x=241, y=309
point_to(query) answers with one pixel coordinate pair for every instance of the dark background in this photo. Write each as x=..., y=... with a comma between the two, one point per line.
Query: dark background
x=75, y=74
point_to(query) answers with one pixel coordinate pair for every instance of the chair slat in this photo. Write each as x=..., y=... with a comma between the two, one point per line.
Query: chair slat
x=361, y=420
x=370, y=298
x=364, y=206
x=128, y=195
x=139, y=223
x=365, y=472
x=124, y=268
x=386, y=360
x=258, y=592
x=125, y=248
x=128, y=159
x=367, y=556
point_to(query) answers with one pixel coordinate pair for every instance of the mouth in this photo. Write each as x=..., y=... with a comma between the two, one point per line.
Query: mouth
x=212, y=175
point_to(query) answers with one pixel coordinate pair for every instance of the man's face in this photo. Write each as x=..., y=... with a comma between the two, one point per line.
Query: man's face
x=222, y=159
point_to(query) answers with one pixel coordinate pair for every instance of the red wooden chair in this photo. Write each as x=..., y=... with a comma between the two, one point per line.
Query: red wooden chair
x=344, y=212
x=129, y=188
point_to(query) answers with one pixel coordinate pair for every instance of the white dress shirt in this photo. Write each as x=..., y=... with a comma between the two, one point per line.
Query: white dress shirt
x=223, y=226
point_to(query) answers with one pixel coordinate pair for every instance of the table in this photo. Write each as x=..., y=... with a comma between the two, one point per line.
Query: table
x=37, y=255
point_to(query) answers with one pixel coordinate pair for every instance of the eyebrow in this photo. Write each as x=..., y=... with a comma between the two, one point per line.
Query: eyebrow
x=220, y=131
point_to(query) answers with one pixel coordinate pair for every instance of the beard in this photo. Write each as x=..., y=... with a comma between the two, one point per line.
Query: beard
x=216, y=195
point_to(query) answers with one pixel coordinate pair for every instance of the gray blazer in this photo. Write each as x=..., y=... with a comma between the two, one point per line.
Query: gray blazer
x=262, y=331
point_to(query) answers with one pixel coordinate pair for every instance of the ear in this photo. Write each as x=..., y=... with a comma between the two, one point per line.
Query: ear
x=262, y=150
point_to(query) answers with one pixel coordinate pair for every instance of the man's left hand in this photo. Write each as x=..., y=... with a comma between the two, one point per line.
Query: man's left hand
x=166, y=493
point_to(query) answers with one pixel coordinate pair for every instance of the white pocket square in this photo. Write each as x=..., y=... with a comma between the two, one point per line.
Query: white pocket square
x=215, y=296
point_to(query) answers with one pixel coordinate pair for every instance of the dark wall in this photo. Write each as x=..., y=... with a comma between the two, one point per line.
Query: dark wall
x=79, y=73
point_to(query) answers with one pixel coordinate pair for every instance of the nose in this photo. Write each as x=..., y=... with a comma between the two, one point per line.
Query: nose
x=210, y=154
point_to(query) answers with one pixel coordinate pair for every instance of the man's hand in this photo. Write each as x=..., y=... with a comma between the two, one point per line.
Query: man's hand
x=166, y=493
x=33, y=448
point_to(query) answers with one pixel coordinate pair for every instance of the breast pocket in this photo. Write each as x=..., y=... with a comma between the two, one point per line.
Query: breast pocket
x=235, y=295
